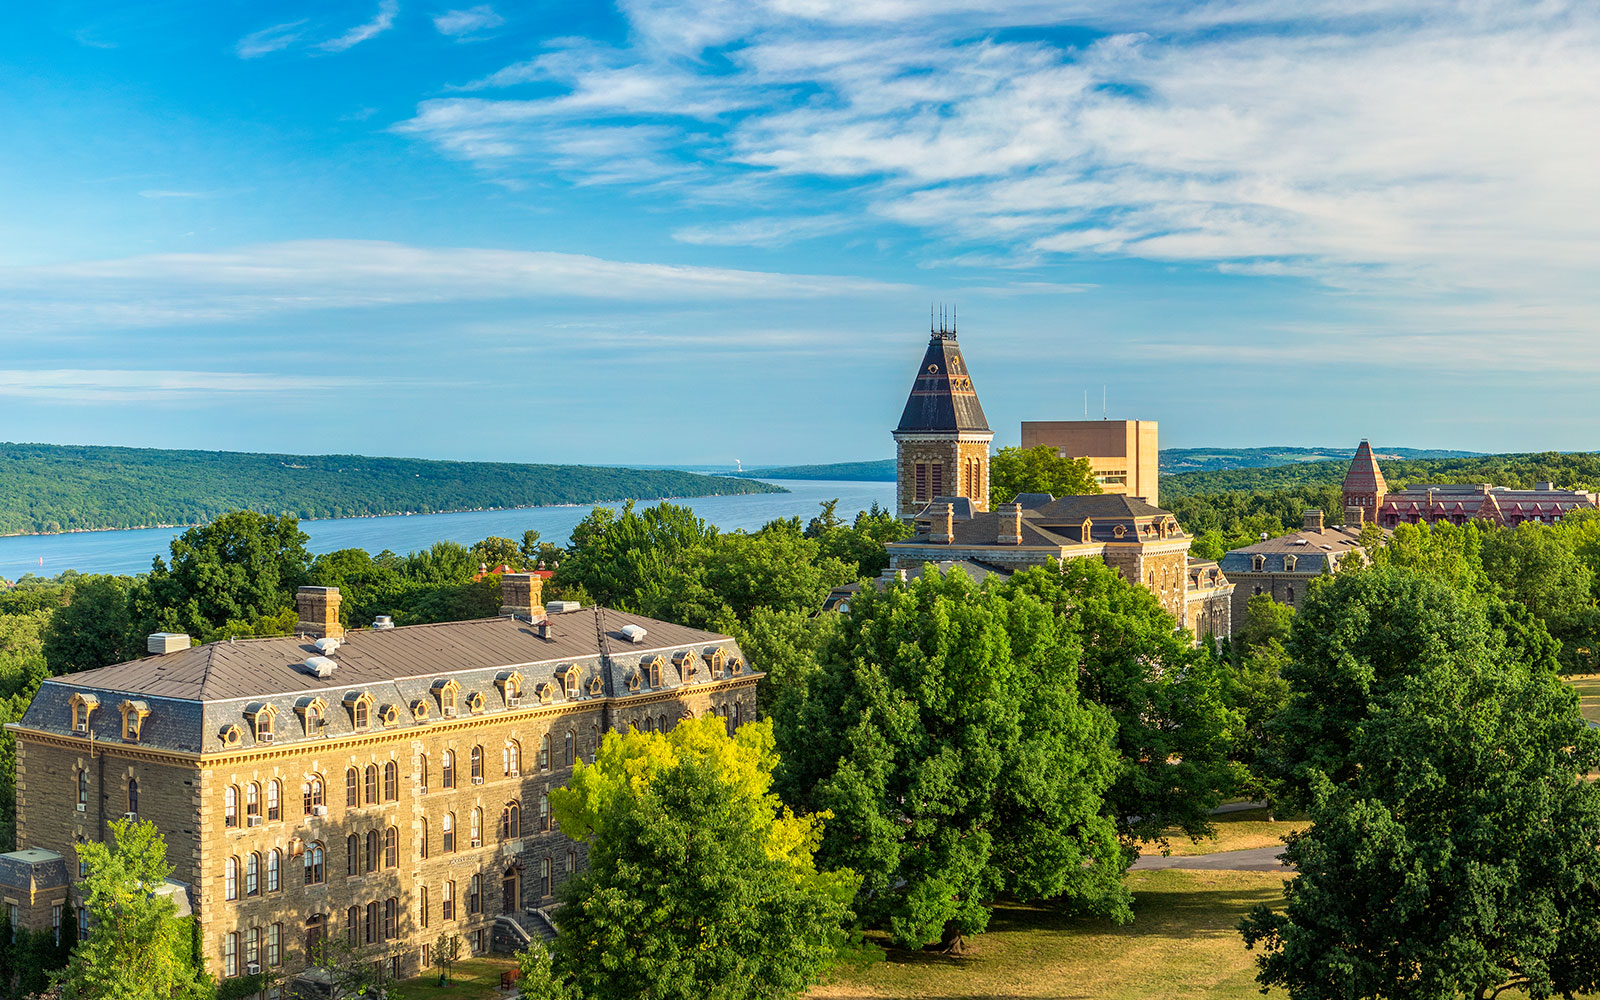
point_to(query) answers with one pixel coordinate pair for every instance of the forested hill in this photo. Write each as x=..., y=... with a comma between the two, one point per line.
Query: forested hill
x=1577, y=470
x=45, y=488
x=881, y=471
x=1177, y=460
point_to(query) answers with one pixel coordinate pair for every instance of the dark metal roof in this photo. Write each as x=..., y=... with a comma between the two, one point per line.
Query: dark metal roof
x=942, y=397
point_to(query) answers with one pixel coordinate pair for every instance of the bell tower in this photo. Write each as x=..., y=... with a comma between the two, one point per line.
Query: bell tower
x=942, y=442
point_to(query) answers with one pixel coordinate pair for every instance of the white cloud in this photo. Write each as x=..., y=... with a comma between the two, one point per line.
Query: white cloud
x=252, y=282
x=273, y=39
x=765, y=231
x=460, y=23
x=381, y=22
x=102, y=385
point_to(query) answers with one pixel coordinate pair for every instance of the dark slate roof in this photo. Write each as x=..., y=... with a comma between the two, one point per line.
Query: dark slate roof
x=196, y=694
x=1057, y=522
x=1073, y=509
x=1311, y=551
x=942, y=397
x=32, y=868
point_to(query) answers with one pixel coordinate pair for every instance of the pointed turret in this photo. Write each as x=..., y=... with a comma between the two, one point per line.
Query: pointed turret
x=1364, y=488
x=943, y=437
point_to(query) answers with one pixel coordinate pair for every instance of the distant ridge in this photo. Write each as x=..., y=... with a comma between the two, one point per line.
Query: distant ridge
x=50, y=488
x=1173, y=460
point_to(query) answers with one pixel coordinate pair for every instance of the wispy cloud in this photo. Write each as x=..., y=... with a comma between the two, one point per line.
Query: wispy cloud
x=461, y=24
x=765, y=231
x=381, y=22
x=241, y=285
x=95, y=386
x=267, y=40
x=157, y=193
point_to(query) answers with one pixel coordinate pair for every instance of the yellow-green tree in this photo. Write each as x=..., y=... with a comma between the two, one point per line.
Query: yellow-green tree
x=700, y=884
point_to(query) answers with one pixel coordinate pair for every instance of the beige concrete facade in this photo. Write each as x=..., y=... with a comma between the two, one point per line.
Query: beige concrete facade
x=1124, y=454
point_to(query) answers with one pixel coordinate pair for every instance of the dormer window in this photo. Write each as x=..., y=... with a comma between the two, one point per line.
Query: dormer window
x=82, y=706
x=569, y=682
x=511, y=687
x=716, y=657
x=684, y=661
x=1288, y=564
x=475, y=702
x=133, y=713
x=448, y=692
x=420, y=710
x=389, y=715
x=313, y=714
x=1119, y=531
x=633, y=681
x=1258, y=564
x=547, y=693
x=231, y=737
x=262, y=717
x=360, y=705
x=595, y=687
x=650, y=670
x=737, y=667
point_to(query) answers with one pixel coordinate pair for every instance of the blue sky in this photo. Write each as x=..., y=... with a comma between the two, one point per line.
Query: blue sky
x=694, y=231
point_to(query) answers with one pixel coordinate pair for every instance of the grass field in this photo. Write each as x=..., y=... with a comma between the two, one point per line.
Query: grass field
x=1182, y=944
x=1236, y=831
x=471, y=979
x=1588, y=688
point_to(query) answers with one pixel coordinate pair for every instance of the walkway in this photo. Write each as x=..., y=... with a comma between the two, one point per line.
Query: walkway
x=1254, y=859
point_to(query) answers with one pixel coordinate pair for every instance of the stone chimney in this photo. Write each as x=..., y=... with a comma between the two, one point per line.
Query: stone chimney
x=319, y=612
x=943, y=529
x=1355, y=517
x=1009, y=531
x=520, y=595
x=1311, y=519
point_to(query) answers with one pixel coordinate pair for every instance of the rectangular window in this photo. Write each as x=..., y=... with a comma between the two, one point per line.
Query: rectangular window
x=427, y=956
x=390, y=918
x=11, y=912
x=252, y=946
x=274, y=944
x=83, y=923
x=372, y=922
x=422, y=917
x=55, y=921
x=447, y=901
x=921, y=480
x=936, y=478
x=230, y=954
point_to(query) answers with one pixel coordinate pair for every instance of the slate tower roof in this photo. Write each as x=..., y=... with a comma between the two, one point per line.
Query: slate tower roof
x=942, y=398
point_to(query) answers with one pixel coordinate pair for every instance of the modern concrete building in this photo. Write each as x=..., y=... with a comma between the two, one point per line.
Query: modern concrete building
x=1124, y=454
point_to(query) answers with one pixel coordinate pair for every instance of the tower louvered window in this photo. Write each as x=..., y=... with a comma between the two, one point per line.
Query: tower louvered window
x=936, y=478
x=921, y=481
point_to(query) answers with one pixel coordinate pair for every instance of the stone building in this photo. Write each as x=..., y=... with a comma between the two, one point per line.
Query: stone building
x=942, y=441
x=1124, y=455
x=1282, y=568
x=1367, y=499
x=383, y=785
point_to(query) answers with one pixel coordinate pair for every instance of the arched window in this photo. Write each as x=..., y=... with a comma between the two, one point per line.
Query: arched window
x=447, y=772
x=391, y=914
x=315, y=856
x=252, y=804
x=252, y=874
x=372, y=783
x=361, y=710
x=655, y=672
x=569, y=684
x=571, y=743
x=230, y=879
x=737, y=720
x=83, y=791
x=274, y=870
x=372, y=850
x=511, y=821
x=477, y=765
x=544, y=813
x=648, y=725
x=447, y=901
x=1291, y=595
x=274, y=801
x=230, y=803
x=352, y=788
x=391, y=781
x=422, y=772
x=447, y=826
x=662, y=722
x=274, y=944
x=391, y=848
x=476, y=827
x=422, y=841
x=352, y=852
x=352, y=926
x=133, y=795
x=313, y=793
x=544, y=753
x=511, y=756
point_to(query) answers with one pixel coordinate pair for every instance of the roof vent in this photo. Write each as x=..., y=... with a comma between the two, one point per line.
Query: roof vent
x=382, y=622
x=633, y=633
x=167, y=642
x=326, y=645
x=320, y=666
x=562, y=607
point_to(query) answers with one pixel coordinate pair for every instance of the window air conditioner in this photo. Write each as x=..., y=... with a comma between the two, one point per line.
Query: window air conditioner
x=82, y=807
x=252, y=968
x=514, y=773
x=253, y=820
x=319, y=810
x=81, y=727
x=131, y=817
x=477, y=781
x=264, y=738
x=514, y=700
x=449, y=711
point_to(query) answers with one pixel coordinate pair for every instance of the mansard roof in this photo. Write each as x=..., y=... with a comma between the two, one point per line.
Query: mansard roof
x=1364, y=476
x=942, y=397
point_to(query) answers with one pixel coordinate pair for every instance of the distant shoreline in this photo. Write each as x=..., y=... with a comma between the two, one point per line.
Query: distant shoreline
x=397, y=513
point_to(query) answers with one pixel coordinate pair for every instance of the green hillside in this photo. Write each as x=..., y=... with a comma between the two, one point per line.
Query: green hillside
x=1177, y=460
x=1578, y=470
x=877, y=472
x=47, y=488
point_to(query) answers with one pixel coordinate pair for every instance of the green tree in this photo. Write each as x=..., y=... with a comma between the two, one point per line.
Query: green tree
x=616, y=556
x=95, y=629
x=784, y=644
x=1537, y=566
x=945, y=732
x=746, y=913
x=139, y=948
x=1174, y=730
x=1014, y=470
x=1256, y=688
x=352, y=972
x=240, y=567
x=494, y=552
x=1457, y=858
x=22, y=662
x=446, y=952
x=1451, y=553
x=859, y=545
x=776, y=567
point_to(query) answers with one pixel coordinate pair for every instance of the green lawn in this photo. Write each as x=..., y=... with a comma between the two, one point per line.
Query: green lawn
x=1588, y=688
x=471, y=979
x=1182, y=944
x=1235, y=832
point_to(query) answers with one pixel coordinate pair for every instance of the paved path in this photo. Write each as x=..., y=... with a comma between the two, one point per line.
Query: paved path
x=1254, y=859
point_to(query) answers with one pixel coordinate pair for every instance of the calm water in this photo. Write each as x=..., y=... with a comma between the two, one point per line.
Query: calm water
x=131, y=551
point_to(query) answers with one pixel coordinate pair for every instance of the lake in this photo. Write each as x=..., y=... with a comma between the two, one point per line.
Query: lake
x=131, y=551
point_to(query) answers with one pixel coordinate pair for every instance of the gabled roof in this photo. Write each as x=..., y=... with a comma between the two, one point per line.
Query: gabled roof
x=942, y=397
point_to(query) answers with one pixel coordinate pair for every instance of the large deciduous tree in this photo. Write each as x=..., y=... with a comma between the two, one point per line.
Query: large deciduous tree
x=240, y=567
x=700, y=882
x=1174, y=730
x=1038, y=470
x=94, y=629
x=944, y=730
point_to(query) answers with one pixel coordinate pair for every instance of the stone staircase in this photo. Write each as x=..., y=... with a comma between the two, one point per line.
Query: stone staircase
x=514, y=932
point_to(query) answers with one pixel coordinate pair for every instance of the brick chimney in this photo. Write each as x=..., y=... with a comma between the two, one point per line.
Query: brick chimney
x=1009, y=530
x=1355, y=517
x=1311, y=519
x=319, y=612
x=943, y=529
x=520, y=595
